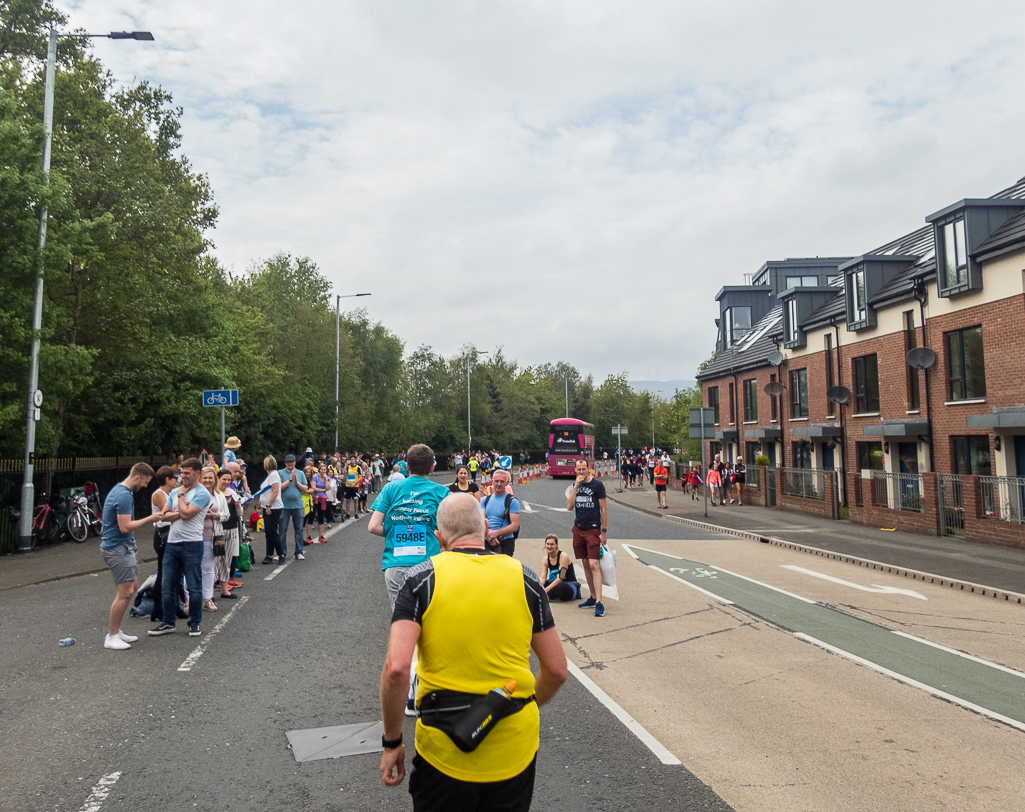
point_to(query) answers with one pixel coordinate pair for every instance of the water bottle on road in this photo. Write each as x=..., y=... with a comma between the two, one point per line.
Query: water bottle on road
x=67, y=641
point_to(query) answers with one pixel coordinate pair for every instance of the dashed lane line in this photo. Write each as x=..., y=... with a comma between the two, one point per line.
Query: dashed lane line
x=193, y=658
x=100, y=792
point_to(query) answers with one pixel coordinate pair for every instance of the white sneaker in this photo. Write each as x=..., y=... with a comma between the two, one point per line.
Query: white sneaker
x=128, y=638
x=300, y=557
x=115, y=643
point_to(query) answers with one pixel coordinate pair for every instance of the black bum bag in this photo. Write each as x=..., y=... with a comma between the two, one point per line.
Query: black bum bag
x=467, y=718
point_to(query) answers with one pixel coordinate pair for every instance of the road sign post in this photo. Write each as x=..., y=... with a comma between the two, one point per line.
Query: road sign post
x=222, y=398
x=619, y=431
x=702, y=425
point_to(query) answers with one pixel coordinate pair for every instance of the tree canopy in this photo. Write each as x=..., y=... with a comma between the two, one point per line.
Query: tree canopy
x=139, y=317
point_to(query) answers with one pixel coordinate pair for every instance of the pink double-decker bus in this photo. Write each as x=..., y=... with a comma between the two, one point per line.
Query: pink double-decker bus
x=569, y=440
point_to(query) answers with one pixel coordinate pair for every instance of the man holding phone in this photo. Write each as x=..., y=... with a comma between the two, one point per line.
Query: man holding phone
x=588, y=500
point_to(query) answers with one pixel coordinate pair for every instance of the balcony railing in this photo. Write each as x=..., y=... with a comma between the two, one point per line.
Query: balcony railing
x=808, y=483
x=898, y=491
x=1003, y=498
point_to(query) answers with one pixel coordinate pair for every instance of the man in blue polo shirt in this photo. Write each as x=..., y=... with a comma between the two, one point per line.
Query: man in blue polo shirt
x=293, y=486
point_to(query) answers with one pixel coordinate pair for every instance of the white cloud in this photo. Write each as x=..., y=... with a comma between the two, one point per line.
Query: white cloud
x=583, y=175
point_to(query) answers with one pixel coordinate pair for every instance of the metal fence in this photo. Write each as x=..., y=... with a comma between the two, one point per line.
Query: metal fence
x=951, y=499
x=753, y=478
x=898, y=491
x=51, y=476
x=1003, y=498
x=808, y=483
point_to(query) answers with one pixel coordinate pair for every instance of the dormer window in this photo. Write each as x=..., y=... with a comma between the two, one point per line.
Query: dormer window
x=859, y=314
x=738, y=324
x=955, y=256
x=790, y=326
x=802, y=282
x=962, y=230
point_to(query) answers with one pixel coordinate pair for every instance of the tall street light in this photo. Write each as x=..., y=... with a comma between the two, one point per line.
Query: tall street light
x=35, y=397
x=469, y=438
x=653, y=403
x=338, y=347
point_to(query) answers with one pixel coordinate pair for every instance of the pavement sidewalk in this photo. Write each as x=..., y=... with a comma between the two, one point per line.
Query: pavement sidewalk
x=986, y=569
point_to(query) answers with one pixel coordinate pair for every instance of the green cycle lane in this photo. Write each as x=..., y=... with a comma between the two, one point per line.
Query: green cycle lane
x=986, y=688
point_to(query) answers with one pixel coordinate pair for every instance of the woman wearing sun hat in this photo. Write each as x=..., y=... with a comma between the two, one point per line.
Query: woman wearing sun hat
x=231, y=445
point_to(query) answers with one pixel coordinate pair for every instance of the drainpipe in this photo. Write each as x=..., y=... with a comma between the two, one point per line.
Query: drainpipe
x=782, y=411
x=737, y=422
x=839, y=407
x=921, y=296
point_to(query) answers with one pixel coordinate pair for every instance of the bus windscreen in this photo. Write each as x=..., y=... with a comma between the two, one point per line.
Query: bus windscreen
x=566, y=441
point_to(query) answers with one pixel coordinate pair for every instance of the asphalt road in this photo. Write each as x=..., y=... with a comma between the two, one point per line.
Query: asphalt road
x=90, y=729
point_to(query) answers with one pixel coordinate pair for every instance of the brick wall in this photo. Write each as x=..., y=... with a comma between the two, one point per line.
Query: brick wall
x=815, y=507
x=867, y=513
x=980, y=529
x=1004, y=354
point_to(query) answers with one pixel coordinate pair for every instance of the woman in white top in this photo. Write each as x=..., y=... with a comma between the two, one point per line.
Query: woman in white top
x=216, y=513
x=272, y=507
x=167, y=479
x=231, y=527
x=396, y=474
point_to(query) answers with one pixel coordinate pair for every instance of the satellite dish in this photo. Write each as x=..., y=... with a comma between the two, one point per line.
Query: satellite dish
x=921, y=358
x=775, y=358
x=838, y=394
x=774, y=389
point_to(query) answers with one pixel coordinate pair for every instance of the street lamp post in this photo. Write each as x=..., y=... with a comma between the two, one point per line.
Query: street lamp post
x=28, y=488
x=338, y=347
x=469, y=437
x=653, y=403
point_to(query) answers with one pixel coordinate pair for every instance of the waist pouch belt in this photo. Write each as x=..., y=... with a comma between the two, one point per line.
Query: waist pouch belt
x=467, y=718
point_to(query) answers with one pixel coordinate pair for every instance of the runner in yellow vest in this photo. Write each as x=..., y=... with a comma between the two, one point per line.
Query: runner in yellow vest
x=473, y=468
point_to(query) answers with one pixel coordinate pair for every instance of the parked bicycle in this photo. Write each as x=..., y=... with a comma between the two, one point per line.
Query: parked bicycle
x=79, y=518
x=46, y=528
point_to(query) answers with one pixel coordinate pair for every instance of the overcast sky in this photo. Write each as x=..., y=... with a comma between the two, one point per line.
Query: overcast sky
x=575, y=180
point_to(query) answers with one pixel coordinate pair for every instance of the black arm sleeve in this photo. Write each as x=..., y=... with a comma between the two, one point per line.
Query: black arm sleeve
x=415, y=595
x=537, y=600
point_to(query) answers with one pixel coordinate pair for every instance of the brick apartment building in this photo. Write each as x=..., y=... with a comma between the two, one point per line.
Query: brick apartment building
x=931, y=440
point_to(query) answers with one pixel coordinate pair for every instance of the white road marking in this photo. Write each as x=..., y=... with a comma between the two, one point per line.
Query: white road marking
x=606, y=591
x=960, y=654
x=525, y=508
x=711, y=572
x=915, y=683
x=100, y=792
x=549, y=507
x=635, y=727
x=883, y=590
x=279, y=569
x=198, y=652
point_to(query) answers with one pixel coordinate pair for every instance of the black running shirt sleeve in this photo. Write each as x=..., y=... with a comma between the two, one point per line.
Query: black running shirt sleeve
x=537, y=601
x=415, y=594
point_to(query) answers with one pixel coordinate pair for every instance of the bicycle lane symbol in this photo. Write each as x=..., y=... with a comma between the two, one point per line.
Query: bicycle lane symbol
x=697, y=572
x=217, y=399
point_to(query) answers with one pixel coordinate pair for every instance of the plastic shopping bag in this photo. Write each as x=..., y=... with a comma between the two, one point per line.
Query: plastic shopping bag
x=607, y=563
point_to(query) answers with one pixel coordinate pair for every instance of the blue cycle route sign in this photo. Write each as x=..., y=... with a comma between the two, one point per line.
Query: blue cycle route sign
x=505, y=462
x=220, y=397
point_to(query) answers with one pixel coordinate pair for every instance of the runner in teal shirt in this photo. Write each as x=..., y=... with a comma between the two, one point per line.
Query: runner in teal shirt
x=405, y=514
